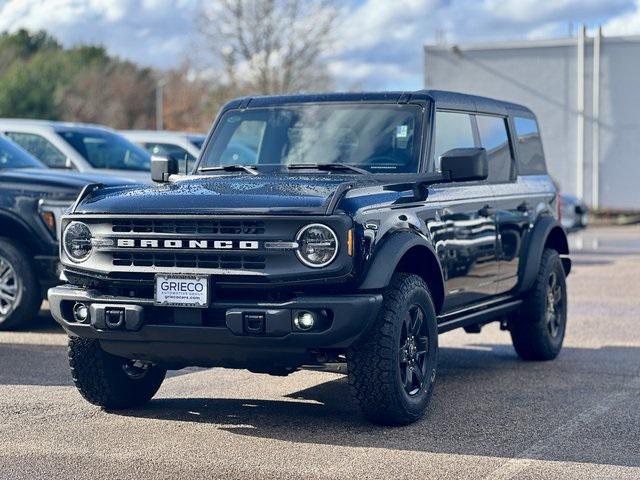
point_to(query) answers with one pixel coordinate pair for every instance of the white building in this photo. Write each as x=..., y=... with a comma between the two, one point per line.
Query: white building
x=585, y=92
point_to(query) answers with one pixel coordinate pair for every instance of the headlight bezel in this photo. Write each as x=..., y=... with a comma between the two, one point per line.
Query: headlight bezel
x=64, y=242
x=50, y=213
x=304, y=260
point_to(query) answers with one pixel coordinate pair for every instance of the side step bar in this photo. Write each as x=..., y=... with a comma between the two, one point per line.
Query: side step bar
x=484, y=315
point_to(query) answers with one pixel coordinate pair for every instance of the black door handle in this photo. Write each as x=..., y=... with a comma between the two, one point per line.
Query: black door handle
x=485, y=211
x=523, y=207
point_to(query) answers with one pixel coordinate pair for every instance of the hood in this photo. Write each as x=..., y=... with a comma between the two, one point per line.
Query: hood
x=228, y=193
x=53, y=178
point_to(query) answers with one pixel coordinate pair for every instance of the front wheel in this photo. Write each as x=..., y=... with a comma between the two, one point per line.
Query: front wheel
x=392, y=369
x=108, y=381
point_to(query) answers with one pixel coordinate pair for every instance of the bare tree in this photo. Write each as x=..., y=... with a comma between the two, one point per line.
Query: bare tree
x=191, y=99
x=269, y=46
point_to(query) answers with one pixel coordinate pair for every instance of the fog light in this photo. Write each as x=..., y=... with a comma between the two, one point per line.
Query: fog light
x=304, y=320
x=80, y=312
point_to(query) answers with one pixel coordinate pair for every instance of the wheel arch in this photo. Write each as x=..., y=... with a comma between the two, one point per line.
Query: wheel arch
x=409, y=253
x=547, y=233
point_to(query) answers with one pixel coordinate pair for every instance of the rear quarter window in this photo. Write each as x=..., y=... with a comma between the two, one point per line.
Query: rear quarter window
x=530, y=153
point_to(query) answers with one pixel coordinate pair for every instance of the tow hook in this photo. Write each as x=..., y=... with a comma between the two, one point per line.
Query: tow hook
x=114, y=318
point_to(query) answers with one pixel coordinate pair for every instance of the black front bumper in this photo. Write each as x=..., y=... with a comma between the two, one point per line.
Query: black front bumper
x=189, y=340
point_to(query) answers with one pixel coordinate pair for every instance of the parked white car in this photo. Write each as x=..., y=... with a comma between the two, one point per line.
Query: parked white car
x=179, y=145
x=81, y=147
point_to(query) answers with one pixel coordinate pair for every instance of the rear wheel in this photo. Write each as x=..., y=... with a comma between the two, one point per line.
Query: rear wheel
x=393, y=367
x=108, y=381
x=20, y=296
x=538, y=332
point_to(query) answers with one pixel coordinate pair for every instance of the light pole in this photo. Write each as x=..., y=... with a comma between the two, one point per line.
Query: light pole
x=160, y=103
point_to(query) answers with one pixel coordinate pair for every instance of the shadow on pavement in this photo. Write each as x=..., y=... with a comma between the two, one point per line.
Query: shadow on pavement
x=487, y=402
x=24, y=364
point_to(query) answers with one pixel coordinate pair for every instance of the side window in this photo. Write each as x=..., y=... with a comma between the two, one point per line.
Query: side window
x=40, y=148
x=453, y=130
x=530, y=153
x=495, y=139
x=244, y=145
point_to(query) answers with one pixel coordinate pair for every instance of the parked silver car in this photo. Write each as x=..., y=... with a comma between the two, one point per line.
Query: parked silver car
x=575, y=213
x=81, y=147
x=183, y=146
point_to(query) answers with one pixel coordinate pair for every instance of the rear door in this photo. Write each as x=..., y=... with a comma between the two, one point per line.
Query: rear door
x=464, y=229
x=512, y=205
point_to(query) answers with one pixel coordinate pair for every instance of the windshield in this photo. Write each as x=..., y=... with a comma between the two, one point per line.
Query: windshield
x=103, y=149
x=12, y=156
x=376, y=138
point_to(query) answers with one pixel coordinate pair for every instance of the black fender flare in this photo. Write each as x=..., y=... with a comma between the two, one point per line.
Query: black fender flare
x=388, y=255
x=546, y=230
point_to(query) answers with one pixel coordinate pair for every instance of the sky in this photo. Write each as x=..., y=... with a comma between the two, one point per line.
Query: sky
x=379, y=43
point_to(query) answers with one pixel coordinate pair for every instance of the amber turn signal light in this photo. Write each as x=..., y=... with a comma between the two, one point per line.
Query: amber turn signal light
x=49, y=220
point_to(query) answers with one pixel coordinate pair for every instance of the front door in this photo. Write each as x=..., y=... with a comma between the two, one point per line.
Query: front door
x=464, y=228
x=464, y=234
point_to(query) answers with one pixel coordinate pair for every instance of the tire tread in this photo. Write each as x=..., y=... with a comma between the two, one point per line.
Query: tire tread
x=529, y=333
x=99, y=378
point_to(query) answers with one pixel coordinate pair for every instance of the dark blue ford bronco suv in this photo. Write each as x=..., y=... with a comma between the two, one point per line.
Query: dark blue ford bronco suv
x=320, y=229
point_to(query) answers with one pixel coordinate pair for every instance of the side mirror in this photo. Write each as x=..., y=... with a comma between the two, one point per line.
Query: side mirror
x=465, y=164
x=162, y=168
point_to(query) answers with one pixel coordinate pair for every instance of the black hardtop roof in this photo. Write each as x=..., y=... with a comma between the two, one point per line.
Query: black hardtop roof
x=443, y=99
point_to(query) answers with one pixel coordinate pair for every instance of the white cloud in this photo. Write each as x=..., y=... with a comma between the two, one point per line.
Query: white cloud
x=626, y=24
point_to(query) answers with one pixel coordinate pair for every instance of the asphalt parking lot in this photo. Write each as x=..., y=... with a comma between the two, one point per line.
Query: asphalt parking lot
x=492, y=415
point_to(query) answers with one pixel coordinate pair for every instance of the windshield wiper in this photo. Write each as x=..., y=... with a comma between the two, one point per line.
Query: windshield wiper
x=231, y=168
x=328, y=167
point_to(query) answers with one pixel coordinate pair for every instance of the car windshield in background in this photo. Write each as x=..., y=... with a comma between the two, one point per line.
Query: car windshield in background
x=12, y=156
x=196, y=140
x=103, y=149
x=375, y=138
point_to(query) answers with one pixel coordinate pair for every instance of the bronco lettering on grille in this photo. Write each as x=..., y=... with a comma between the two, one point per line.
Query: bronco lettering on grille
x=189, y=244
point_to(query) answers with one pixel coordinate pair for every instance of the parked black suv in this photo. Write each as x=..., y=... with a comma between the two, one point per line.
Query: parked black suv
x=316, y=229
x=32, y=200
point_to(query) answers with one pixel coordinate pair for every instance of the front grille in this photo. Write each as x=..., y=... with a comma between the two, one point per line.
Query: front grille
x=189, y=260
x=224, y=227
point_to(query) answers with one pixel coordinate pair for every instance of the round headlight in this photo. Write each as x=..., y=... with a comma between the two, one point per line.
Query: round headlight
x=317, y=245
x=76, y=241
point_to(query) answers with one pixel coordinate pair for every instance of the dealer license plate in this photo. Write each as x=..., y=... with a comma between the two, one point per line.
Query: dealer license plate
x=182, y=291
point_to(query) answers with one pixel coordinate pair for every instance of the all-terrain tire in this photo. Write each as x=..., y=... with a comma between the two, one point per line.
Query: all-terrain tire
x=377, y=375
x=538, y=331
x=25, y=289
x=102, y=380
